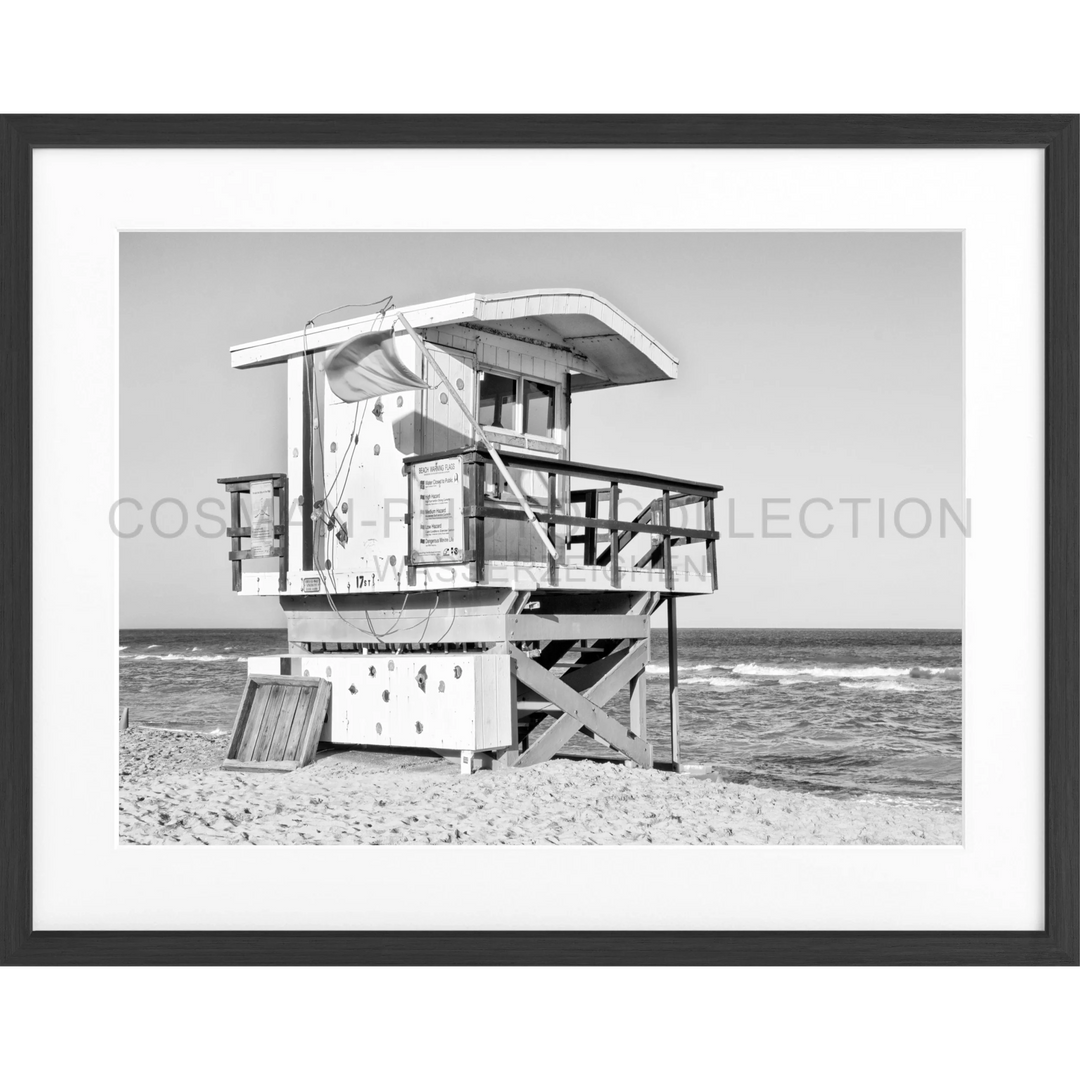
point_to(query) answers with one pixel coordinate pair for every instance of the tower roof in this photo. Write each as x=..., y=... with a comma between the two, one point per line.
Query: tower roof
x=613, y=349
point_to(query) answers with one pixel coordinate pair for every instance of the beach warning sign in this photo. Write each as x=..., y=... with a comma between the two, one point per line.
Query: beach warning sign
x=436, y=501
x=262, y=519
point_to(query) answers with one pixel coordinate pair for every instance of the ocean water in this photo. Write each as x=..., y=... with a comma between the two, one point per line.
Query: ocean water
x=838, y=712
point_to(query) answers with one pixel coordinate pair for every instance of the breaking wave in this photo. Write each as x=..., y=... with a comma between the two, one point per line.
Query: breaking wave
x=661, y=669
x=884, y=686
x=783, y=673
x=718, y=683
x=178, y=658
x=952, y=674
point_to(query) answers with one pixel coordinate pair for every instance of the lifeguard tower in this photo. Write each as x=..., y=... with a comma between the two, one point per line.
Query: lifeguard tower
x=459, y=581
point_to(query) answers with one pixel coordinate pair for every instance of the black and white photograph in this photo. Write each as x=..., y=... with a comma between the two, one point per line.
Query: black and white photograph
x=553, y=539
x=541, y=538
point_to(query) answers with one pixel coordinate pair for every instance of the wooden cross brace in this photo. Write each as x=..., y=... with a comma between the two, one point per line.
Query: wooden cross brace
x=581, y=695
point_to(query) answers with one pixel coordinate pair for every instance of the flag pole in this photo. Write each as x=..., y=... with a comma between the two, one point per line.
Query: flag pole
x=499, y=463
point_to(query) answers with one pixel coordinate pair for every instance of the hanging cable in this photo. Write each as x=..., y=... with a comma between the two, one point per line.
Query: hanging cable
x=352, y=440
x=345, y=464
x=384, y=304
x=325, y=521
x=393, y=629
x=453, y=619
x=319, y=505
x=322, y=520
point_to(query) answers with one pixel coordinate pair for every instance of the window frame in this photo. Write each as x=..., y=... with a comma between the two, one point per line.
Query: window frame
x=519, y=432
x=550, y=436
x=519, y=405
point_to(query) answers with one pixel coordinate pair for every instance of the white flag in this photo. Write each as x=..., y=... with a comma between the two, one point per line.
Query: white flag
x=368, y=366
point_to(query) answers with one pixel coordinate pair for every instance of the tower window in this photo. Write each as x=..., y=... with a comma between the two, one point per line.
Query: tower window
x=498, y=401
x=539, y=408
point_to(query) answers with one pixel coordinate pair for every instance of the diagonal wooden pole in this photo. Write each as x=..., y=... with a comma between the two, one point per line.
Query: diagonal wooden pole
x=499, y=463
x=673, y=679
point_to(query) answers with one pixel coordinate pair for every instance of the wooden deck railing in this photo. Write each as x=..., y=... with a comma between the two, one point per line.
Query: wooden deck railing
x=240, y=485
x=653, y=520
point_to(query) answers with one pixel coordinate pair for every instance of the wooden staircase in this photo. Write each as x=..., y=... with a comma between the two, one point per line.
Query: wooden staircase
x=577, y=698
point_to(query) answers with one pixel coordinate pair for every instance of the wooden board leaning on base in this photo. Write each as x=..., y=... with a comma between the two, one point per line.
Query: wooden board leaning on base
x=278, y=723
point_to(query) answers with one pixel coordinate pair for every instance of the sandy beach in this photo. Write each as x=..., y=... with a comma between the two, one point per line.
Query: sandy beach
x=172, y=791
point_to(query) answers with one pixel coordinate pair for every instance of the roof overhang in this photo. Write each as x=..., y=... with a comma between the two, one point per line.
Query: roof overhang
x=612, y=349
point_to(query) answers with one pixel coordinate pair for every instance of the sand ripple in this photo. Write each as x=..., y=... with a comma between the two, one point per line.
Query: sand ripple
x=171, y=791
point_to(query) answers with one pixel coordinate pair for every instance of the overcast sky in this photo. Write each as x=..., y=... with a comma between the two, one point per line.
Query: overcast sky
x=812, y=365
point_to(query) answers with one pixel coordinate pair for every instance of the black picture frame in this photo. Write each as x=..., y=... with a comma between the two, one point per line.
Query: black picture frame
x=1058, y=136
